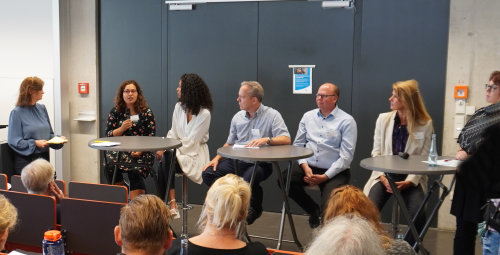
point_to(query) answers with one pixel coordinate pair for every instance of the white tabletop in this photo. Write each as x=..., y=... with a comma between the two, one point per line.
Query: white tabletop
x=266, y=153
x=397, y=165
x=137, y=143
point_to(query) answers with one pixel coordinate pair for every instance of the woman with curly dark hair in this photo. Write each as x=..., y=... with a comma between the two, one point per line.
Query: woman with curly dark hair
x=190, y=124
x=131, y=116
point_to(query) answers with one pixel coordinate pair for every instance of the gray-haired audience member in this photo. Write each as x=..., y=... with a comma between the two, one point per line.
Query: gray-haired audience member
x=346, y=235
x=144, y=226
x=8, y=219
x=38, y=178
x=225, y=208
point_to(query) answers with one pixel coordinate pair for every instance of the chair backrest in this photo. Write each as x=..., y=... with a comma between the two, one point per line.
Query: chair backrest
x=280, y=252
x=17, y=184
x=89, y=225
x=3, y=181
x=99, y=192
x=36, y=214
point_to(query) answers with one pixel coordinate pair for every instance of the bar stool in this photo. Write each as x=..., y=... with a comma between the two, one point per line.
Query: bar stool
x=184, y=205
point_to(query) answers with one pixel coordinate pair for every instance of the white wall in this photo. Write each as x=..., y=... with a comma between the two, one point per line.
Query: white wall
x=473, y=53
x=29, y=46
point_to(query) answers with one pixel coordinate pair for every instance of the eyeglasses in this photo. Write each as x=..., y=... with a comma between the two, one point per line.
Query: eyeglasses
x=324, y=96
x=133, y=91
x=490, y=87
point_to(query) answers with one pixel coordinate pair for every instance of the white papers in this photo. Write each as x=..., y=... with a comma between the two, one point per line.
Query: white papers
x=243, y=146
x=57, y=140
x=447, y=162
x=105, y=144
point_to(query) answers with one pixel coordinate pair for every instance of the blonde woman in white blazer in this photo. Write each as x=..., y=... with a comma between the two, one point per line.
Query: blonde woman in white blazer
x=190, y=124
x=407, y=128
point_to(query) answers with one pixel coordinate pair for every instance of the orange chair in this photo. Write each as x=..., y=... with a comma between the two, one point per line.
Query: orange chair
x=279, y=252
x=3, y=181
x=98, y=192
x=17, y=184
x=36, y=214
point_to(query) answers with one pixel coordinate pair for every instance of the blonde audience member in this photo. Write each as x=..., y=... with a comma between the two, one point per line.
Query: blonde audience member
x=351, y=200
x=8, y=219
x=144, y=226
x=346, y=235
x=225, y=208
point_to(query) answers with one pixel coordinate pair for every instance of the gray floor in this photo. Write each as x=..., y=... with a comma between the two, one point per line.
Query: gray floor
x=436, y=241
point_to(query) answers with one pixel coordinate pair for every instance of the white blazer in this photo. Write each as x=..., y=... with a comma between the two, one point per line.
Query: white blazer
x=193, y=154
x=418, y=143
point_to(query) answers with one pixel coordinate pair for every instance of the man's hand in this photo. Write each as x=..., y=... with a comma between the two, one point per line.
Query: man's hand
x=307, y=171
x=316, y=179
x=159, y=155
x=212, y=164
x=258, y=142
x=41, y=143
x=54, y=190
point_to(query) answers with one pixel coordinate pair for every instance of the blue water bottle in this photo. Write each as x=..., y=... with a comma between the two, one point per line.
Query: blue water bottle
x=53, y=243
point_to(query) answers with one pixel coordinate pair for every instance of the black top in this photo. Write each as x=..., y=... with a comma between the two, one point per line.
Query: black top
x=252, y=248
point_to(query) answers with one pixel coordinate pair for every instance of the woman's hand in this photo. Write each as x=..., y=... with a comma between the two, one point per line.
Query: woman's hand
x=159, y=155
x=461, y=155
x=136, y=154
x=126, y=125
x=386, y=184
x=41, y=143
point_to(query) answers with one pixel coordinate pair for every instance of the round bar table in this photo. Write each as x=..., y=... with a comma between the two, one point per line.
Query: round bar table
x=393, y=164
x=136, y=143
x=272, y=154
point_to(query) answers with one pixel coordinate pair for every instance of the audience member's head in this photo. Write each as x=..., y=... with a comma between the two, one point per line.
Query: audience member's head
x=8, y=219
x=346, y=235
x=349, y=199
x=226, y=203
x=37, y=175
x=144, y=226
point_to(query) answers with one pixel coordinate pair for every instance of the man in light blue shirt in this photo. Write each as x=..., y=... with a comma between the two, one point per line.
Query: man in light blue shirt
x=255, y=125
x=331, y=133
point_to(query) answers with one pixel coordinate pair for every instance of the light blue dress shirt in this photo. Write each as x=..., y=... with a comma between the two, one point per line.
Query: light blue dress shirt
x=27, y=124
x=267, y=122
x=332, y=139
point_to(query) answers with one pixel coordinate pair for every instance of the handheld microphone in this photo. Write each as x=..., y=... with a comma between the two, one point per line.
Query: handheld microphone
x=404, y=155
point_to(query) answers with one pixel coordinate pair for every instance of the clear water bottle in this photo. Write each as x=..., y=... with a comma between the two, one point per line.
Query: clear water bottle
x=433, y=155
x=53, y=243
x=184, y=244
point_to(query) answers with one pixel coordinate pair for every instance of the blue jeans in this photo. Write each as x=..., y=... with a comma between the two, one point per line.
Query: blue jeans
x=491, y=242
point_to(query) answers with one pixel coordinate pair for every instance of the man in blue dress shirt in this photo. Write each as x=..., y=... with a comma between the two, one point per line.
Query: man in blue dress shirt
x=331, y=133
x=255, y=125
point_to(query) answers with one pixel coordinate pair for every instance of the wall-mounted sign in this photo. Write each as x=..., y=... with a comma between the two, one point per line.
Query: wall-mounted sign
x=302, y=78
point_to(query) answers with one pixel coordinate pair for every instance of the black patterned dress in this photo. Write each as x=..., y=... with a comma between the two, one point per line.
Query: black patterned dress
x=132, y=165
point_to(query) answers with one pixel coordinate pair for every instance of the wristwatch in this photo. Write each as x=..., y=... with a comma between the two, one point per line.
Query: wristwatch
x=269, y=140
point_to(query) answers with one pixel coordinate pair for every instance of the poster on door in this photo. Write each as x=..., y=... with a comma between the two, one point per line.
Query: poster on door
x=302, y=78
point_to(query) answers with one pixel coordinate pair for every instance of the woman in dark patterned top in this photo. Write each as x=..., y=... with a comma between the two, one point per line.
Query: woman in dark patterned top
x=131, y=116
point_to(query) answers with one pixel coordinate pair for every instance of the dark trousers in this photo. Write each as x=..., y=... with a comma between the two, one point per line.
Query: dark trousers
x=226, y=166
x=464, y=242
x=164, y=173
x=298, y=194
x=412, y=196
x=20, y=161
